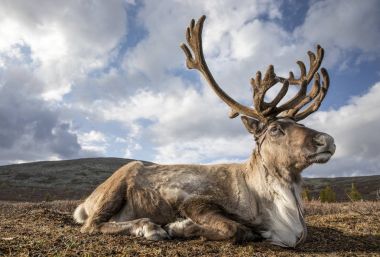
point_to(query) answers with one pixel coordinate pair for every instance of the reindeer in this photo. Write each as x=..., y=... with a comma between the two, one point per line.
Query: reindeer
x=256, y=200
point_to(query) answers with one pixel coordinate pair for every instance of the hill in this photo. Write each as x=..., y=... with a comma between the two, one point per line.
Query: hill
x=367, y=186
x=75, y=179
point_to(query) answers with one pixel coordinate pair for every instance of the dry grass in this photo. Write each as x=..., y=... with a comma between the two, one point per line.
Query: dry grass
x=47, y=229
x=359, y=207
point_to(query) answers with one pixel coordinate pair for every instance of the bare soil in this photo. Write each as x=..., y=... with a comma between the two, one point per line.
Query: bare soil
x=47, y=229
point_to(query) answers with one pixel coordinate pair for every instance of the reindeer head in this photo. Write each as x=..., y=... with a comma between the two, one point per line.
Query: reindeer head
x=280, y=139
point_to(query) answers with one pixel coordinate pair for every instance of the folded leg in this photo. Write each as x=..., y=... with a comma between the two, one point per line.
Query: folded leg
x=213, y=222
x=139, y=227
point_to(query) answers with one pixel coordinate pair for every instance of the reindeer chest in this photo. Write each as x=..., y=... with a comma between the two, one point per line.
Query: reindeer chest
x=246, y=204
x=283, y=221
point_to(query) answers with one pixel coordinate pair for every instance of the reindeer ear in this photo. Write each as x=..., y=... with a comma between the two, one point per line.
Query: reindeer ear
x=252, y=125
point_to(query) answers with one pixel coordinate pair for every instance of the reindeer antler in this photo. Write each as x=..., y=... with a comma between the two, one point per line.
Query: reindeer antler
x=263, y=111
x=317, y=92
x=194, y=39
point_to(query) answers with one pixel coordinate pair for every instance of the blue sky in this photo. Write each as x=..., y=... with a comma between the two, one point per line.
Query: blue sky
x=107, y=78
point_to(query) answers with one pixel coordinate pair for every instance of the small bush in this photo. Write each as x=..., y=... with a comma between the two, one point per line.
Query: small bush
x=306, y=195
x=327, y=195
x=354, y=194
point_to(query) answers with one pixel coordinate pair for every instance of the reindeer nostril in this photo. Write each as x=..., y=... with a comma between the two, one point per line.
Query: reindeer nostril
x=318, y=143
x=320, y=140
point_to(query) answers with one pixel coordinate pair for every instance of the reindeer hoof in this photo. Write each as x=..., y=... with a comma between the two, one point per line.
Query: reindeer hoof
x=88, y=230
x=244, y=234
x=157, y=235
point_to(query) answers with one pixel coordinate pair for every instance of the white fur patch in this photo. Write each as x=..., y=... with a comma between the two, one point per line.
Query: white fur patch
x=80, y=214
x=146, y=230
x=286, y=227
x=177, y=227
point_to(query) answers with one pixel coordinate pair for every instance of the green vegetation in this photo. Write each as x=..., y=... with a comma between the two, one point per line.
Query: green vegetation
x=327, y=195
x=354, y=194
x=306, y=194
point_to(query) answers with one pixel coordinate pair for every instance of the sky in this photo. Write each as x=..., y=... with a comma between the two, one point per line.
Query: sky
x=107, y=78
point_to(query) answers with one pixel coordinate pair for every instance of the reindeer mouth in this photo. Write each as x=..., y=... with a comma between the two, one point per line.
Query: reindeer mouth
x=321, y=157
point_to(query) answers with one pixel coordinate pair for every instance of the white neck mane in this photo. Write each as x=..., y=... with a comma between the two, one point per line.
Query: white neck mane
x=281, y=205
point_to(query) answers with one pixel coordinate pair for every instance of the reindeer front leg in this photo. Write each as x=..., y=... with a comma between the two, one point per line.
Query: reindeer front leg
x=212, y=222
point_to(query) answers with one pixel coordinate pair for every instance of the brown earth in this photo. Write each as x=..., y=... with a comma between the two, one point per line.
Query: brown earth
x=47, y=229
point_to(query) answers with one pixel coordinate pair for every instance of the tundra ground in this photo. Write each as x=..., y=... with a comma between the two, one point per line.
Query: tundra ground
x=47, y=229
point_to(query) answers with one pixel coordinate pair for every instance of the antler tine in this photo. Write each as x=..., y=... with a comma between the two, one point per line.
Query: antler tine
x=197, y=61
x=311, y=57
x=278, y=98
x=315, y=63
x=302, y=69
x=316, y=94
x=318, y=97
x=295, y=100
x=256, y=85
x=310, y=97
x=261, y=86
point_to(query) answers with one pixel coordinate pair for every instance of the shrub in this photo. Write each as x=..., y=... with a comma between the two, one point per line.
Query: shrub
x=327, y=195
x=306, y=194
x=354, y=194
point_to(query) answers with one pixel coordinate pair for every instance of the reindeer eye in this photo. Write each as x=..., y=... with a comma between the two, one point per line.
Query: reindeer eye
x=275, y=130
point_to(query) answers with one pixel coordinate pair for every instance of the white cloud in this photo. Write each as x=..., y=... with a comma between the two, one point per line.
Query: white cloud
x=159, y=52
x=201, y=150
x=93, y=136
x=93, y=141
x=344, y=24
x=120, y=140
x=341, y=26
x=66, y=38
x=30, y=129
x=131, y=149
x=185, y=125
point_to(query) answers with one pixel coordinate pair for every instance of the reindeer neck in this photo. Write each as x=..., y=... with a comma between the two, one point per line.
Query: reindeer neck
x=280, y=191
x=257, y=166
